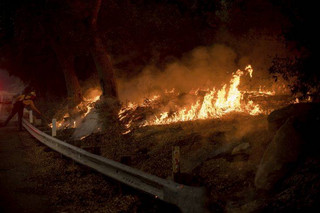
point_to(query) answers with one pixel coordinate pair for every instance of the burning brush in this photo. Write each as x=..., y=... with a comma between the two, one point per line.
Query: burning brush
x=83, y=109
x=172, y=106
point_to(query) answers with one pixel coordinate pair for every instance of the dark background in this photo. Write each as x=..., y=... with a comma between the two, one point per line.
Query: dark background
x=138, y=33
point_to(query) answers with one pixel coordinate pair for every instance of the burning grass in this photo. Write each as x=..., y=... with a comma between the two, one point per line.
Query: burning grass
x=199, y=104
x=172, y=106
x=65, y=120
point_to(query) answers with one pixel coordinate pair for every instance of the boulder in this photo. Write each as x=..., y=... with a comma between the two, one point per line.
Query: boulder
x=280, y=155
x=303, y=110
x=296, y=139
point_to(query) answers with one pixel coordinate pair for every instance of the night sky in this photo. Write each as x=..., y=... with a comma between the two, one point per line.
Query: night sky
x=137, y=34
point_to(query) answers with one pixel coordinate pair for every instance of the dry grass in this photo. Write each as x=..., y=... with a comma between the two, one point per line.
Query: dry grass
x=228, y=178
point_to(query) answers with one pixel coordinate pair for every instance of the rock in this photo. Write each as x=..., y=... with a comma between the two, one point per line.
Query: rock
x=297, y=137
x=240, y=148
x=278, y=117
x=280, y=155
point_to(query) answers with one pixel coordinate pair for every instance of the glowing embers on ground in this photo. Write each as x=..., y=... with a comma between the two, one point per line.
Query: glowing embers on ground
x=306, y=99
x=207, y=104
x=83, y=109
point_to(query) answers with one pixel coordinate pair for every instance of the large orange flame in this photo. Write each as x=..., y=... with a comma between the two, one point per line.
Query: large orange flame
x=214, y=104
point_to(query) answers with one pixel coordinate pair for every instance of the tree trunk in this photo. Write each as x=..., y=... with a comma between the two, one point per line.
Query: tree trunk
x=102, y=59
x=66, y=60
x=104, y=69
x=108, y=106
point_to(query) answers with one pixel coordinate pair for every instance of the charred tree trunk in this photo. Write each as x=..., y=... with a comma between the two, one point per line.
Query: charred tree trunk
x=102, y=59
x=104, y=69
x=65, y=58
x=108, y=106
x=66, y=61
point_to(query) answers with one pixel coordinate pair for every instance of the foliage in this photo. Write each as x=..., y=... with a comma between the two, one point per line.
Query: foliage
x=299, y=72
x=301, y=38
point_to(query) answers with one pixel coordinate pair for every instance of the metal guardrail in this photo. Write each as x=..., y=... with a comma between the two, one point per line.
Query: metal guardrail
x=188, y=199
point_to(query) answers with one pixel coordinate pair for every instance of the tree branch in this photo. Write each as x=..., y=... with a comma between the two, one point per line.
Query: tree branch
x=95, y=13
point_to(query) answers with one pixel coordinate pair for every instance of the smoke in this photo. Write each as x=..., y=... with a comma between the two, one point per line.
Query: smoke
x=207, y=67
x=9, y=83
x=90, y=124
x=203, y=67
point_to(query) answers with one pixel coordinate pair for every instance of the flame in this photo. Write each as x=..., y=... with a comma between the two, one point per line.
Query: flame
x=86, y=106
x=249, y=69
x=214, y=104
x=208, y=103
x=92, y=96
x=301, y=100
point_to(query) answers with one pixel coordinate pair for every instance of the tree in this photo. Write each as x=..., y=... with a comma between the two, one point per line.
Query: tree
x=301, y=38
x=66, y=61
x=55, y=27
x=109, y=104
x=102, y=58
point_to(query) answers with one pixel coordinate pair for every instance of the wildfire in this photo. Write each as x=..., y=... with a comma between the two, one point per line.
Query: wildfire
x=209, y=103
x=167, y=107
x=214, y=104
x=85, y=107
x=249, y=69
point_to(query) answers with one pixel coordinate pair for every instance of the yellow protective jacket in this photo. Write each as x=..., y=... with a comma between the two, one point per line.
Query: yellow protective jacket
x=26, y=100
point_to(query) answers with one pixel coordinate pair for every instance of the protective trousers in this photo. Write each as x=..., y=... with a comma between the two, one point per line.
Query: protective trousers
x=17, y=108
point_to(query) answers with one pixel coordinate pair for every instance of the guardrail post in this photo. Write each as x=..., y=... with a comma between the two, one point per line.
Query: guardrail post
x=175, y=161
x=54, y=127
x=30, y=116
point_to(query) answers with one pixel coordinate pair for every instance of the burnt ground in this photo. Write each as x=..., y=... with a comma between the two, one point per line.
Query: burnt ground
x=34, y=178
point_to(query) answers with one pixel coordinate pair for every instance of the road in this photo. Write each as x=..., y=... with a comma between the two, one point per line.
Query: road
x=34, y=178
x=17, y=191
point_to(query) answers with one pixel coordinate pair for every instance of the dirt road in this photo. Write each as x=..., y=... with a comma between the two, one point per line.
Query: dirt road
x=17, y=192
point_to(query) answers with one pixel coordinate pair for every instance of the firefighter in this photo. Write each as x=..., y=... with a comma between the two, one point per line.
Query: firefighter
x=21, y=102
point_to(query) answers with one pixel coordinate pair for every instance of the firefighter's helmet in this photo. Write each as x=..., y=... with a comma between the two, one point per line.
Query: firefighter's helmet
x=33, y=94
